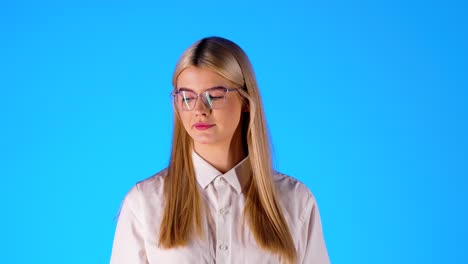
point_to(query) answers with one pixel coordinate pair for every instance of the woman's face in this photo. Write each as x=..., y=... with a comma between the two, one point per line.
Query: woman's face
x=215, y=127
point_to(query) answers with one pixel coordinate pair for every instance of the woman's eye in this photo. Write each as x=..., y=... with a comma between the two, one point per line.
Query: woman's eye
x=215, y=97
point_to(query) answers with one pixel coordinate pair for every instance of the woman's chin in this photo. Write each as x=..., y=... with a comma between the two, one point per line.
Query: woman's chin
x=205, y=141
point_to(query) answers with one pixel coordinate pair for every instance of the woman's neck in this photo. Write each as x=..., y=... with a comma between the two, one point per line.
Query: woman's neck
x=222, y=157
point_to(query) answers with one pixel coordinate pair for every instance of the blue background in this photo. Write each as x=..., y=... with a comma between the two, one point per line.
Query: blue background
x=366, y=103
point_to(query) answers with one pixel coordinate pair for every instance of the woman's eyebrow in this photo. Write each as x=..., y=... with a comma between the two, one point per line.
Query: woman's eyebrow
x=184, y=89
x=217, y=86
x=190, y=90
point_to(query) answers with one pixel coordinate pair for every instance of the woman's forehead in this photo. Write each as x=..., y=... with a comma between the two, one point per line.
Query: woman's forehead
x=198, y=79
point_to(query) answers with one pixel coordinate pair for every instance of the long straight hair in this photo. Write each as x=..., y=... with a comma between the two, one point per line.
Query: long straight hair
x=182, y=216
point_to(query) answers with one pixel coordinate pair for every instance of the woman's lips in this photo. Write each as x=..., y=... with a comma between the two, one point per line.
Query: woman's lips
x=202, y=126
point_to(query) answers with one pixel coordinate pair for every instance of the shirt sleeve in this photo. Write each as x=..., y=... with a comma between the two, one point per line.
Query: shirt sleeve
x=315, y=250
x=128, y=246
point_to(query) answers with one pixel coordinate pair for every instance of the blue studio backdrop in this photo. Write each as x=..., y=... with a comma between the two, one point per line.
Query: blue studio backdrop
x=366, y=103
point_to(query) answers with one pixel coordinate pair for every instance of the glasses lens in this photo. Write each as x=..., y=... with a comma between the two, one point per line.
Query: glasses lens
x=215, y=97
x=185, y=100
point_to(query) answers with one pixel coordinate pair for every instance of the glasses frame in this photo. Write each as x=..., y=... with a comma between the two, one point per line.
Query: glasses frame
x=203, y=95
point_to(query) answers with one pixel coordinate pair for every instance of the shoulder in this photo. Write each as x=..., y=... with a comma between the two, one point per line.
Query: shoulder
x=148, y=192
x=290, y=186
x=153, y=184
x=296, y=197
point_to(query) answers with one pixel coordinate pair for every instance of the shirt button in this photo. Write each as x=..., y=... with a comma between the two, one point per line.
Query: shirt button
x=222, y=211
x=223, y=247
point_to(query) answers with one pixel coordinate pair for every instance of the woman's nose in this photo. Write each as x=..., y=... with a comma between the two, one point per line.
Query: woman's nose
x=201, y=107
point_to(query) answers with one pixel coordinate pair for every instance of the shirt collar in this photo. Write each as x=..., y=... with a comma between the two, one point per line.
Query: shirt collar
x=238, y=177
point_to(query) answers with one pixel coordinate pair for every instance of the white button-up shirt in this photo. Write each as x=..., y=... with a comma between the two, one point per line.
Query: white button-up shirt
x=227, y=238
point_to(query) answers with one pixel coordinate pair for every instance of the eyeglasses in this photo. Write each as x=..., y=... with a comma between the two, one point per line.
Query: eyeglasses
x=213, y=98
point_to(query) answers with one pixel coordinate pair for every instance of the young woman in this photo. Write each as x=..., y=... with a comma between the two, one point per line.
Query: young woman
x=219, y=200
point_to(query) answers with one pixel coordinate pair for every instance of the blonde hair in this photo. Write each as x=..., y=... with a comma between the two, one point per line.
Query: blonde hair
x=182, y=216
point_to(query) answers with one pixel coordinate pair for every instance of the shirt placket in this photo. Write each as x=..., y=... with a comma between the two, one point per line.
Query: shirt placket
x=223, y=240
